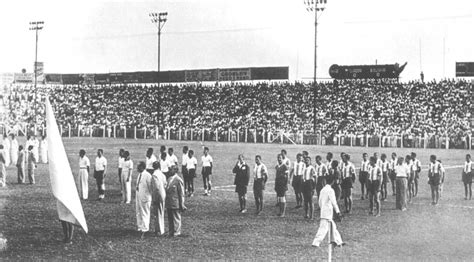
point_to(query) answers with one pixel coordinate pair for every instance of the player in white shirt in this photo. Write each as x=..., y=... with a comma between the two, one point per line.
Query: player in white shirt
x=184, y=170
x=309, y=184
x=164, y=163
x=434, y=175
x=374, y=181
x=191, y=166
x=385, y=167
x=411, y=178
x=100, y=171
x=149, y=160
x=443, y=174
x=120, y=160
x=287, y=163
x=467, y=174
x=321, y=173
x=392, y=174
x=416, y=169
x=172, y=158
x=363, y=176
x=127, y=169
x=296, y=177
x=206, y=172
x=348, y=178
x=260, y=178
x=84, y=165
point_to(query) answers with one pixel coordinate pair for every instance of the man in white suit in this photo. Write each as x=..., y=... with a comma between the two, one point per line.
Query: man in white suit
x=158, y=181
x=328, y=204
x=143, y=199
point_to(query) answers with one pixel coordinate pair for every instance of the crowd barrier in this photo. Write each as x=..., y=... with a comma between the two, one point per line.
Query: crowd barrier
x=250, y=135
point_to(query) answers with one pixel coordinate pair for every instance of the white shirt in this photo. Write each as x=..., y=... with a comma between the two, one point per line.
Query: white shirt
x=120, y=162
x=286, y=161
x=127, y=166
x=100, y=163
x=320, y=169
x=385, y=166
x=191, y=163
x=84, y=162
x=298, y=168
x=309, y=173
x=468, y=166
x=415, y=165
x=173, y=160
x=435, y=167
x=159, y=186
x=374, y=173
x=347, y=170
x=149, y=161
x=327, y=202
x=364, y=166
x=144, y=187
x=379, y=162
x=206, y=160
x=184, y=158
x=393, y=163
x=259, y=170
x=402, y=170
x=164, y=165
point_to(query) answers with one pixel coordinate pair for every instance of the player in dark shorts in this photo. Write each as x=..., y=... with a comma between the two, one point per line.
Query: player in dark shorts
x=434, y=178
x=467, y=174
x=392, y=174
x=385, y=179
x=348, y=178
x=363, y=174
x=260, y=178
x=411, y=178
x=296, y=177
x=309, y=183
x=336, y=174
x=374, y=182
x=321, y=173
x=281, y=184
x=241, y=181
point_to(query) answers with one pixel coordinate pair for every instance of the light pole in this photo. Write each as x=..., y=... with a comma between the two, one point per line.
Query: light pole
x=159, y=19
x=36, y=25
x=315, y=6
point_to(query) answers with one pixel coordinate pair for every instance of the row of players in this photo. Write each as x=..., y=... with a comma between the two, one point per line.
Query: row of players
x=11, y=153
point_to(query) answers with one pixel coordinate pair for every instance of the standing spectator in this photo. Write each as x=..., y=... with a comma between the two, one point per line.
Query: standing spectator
x=43, y=150
x=281, y=184
x=84, y=165
x=21, y=164
x=13, y=149
x=174, y=202
x=260, y=178
x=31, y=164
x=100, y=171
x=206, y=172
x=127, y=169
x=241, y=181
x=143, y=198
x=159, y=184
x=467, y=174
x=328, y=204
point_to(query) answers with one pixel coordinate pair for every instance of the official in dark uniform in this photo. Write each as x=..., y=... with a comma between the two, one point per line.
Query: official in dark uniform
x=241, y=181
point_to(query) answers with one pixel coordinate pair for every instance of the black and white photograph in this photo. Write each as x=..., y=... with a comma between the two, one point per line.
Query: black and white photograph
x=253, y=130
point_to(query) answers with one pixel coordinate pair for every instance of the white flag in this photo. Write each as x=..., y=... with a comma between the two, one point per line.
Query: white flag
x=62, y=181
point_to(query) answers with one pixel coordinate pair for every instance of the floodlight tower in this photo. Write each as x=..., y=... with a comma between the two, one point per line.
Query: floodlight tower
x=36, y=25
x=159, y=19
x=315, y=6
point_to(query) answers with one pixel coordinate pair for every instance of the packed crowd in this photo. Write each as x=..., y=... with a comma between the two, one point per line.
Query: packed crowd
x=345, y=107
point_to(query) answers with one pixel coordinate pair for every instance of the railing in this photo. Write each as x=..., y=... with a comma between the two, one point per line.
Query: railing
x=249, y=135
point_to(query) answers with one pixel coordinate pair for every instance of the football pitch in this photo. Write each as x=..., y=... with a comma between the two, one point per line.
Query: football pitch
x=214, y=229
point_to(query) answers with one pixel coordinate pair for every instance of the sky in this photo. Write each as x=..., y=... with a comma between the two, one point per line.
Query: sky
x=117, y=36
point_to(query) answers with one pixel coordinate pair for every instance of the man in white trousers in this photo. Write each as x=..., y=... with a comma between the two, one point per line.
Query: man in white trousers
x=126, y=178
x=328, y=203
x=158, y=181
x=143, y=199
x=84, y=164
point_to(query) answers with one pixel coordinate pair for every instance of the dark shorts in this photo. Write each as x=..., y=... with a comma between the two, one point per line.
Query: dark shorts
x=385, y=177
x=297, y=184
x=281, y=188
x=392, y=175
x=308, y=189
x=206, y=171
x=346, y=192
x=411, y=178
x=241, y=189
x=151, y=171
x=184, y=170
x=467, y=178
x=346, y=183
x=373, y=186
x=435, y=180
x=258, y=184
x=99, y=175
x=363, y=177
x=191, y=173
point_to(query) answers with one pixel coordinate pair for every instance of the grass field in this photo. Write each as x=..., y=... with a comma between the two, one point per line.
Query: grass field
x=214, y=229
